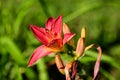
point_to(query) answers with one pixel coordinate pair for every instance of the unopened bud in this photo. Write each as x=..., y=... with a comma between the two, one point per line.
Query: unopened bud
x=80, y=48
x=83, y=32
x=65, y=28
x=59, y=63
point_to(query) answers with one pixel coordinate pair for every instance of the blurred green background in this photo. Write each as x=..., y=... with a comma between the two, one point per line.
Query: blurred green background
x=100, y=17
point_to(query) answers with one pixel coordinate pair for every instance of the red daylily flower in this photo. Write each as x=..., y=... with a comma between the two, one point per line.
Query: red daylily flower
x=50, y=37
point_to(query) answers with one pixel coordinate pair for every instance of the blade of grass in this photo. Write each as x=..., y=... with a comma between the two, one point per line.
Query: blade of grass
x=13, y=50
x=18, y=73
x=107, y=74
x=25, y=8
x=15, y=73
x=85, y=7
x=43, y=75
x=29, y=72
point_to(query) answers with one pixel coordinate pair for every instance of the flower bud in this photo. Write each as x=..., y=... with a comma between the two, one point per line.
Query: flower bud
x=59, y=63
x=80, y=48
x=83, y=32
x=65, y=28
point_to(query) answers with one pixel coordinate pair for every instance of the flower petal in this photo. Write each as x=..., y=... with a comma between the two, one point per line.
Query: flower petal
x=40, y=34
x=67, y=37
x=40, y=52
x=57, y=27
x=49, y=23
